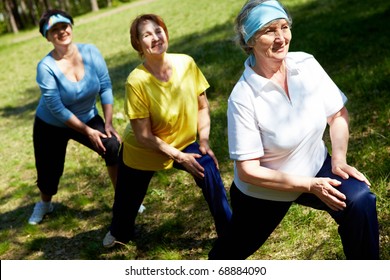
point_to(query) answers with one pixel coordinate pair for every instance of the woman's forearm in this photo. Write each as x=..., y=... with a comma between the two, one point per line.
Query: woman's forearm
x=143, y=134
x=74, y=123
x=204, y=122
x=107, y=111
x=252, y=173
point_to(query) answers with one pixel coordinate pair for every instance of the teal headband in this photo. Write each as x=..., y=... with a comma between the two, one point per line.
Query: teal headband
x=261, y=15
x=54, y=19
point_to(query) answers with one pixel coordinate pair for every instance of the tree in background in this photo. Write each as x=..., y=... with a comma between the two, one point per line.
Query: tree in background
x=94, y=5
x=17, y=15
x=11, y=15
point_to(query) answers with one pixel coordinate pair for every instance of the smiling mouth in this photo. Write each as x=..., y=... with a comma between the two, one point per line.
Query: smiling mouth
x=279, y=49
x=158, y=44
x=63, y=36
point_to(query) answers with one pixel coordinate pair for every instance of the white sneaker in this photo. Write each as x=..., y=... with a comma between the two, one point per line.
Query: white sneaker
x=141, y=209
x=40, y=210
x=109, y=240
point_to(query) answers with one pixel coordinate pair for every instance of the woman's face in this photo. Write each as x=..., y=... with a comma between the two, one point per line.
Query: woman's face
x=60, y=34
x=152, y=38
x=272, y=42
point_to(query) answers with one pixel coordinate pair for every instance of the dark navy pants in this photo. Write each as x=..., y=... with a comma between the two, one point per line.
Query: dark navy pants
x=132, y=185
x=254, y=220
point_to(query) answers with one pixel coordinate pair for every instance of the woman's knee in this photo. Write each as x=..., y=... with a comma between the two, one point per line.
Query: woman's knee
x=111, y=143
x=359, y=195
x=207, y=162
x=112, y=146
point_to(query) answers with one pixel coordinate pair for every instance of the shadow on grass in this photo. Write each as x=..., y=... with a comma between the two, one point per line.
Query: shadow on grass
x=23, y=110
x=84, y=245
x=49, y=240
x=18, y=218
x=348, y=38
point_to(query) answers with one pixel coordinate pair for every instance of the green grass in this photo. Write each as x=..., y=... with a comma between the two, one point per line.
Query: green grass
x=349, y=39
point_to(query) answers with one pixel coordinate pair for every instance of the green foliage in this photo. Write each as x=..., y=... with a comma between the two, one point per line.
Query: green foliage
x=346, y=37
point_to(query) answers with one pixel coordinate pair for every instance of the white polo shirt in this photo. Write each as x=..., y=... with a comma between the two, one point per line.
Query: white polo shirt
x=286, y=134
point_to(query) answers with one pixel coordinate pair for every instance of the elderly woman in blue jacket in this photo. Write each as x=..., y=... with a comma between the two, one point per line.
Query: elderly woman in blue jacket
x=70, y=78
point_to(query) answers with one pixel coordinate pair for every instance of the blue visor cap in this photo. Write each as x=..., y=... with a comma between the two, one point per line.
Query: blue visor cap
x=53, y=20
x=261, y=15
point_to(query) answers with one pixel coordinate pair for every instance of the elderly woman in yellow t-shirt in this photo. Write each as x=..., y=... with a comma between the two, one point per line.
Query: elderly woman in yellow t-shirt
x=168, y=109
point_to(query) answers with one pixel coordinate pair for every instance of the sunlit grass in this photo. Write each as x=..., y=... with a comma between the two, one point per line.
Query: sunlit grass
x=348, y=41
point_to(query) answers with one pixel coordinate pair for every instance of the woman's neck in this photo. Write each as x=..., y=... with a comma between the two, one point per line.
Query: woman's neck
x=161, y=68
x=64, y=52
x=269, y=70
x=276, y=72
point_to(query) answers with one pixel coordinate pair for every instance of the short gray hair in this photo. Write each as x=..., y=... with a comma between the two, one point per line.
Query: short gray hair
x=239, y=24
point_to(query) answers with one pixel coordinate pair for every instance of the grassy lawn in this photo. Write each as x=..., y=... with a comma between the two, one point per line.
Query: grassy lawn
x=350, y=41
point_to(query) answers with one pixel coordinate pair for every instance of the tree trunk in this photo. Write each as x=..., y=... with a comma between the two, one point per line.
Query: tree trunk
x=45, y=4
x=25, y=14
x=67, y=5
x=64, y=5
x=12, y=21
x=33, y=12
x=94, y=6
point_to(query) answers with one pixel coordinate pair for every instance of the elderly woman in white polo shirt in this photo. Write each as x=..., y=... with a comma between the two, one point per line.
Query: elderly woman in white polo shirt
x=277, y=115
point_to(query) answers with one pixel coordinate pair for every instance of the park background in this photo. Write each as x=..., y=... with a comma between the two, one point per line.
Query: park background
x=349, y=38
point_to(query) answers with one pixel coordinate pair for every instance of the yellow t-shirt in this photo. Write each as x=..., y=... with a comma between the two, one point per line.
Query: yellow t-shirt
x=171, y=106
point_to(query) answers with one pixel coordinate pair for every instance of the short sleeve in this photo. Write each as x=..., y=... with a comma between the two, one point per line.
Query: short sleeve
x=244, y=136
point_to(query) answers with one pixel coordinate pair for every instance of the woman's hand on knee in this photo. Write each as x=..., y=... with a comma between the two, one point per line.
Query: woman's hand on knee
x=325, y=189
x=95, y=138
x=188, y=160
x=345, y=171
x=206, y=150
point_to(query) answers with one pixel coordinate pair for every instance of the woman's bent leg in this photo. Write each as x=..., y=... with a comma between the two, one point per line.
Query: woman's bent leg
x=358, y=222
x=112, y=145
x=213, y=190
x=358, y=225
